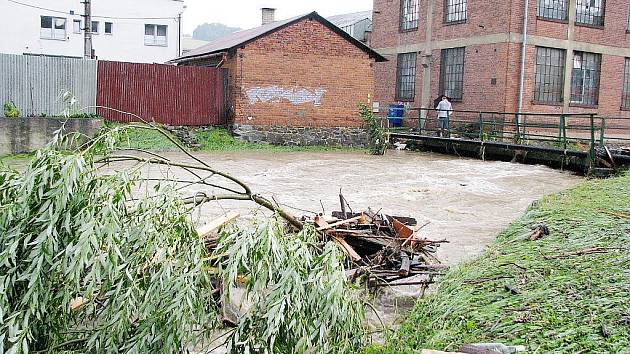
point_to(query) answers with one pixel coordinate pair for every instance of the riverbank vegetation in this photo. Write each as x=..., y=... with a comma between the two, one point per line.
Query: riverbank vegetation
x=568, y=292
x=211, y=139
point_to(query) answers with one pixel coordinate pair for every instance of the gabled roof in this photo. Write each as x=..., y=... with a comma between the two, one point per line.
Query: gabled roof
x=241, y=38
x=345, y=20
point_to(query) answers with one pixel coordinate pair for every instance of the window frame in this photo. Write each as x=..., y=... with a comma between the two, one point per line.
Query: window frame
x=98, y=27
x=592, y=23
x=444, y=55
x=74, y=29
x=410, y=75
x=111, y=28
x=594, y=92
x=155, y=42
x=405, y=24
x=53, y=33
x=448, y=6
x=625, y=86
x=547, y=69
x=541, y=14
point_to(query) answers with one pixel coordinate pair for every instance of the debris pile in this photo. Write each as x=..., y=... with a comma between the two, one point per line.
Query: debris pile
x=384, y=249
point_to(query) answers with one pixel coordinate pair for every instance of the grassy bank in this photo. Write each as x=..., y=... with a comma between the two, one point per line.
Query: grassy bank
x=566, y=297
x=214, y=139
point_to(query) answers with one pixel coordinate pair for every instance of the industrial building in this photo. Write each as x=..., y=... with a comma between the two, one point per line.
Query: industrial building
x=577, y=54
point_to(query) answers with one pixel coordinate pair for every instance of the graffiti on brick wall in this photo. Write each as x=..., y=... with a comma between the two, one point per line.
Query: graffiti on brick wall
x=294, y=95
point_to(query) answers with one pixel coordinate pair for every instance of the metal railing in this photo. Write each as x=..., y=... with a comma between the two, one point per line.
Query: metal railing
x=567, y=132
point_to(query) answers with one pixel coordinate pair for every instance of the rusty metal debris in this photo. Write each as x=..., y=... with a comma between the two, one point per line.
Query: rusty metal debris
x=385, y=250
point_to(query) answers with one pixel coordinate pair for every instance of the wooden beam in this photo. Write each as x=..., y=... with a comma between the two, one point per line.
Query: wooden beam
x=208, y=229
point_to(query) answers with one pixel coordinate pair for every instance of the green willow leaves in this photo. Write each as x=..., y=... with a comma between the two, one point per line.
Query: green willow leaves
x=69, y=235
x=103, y=262
x=301, y=302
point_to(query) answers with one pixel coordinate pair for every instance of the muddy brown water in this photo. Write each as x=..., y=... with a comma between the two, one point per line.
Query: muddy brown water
x=466, y=201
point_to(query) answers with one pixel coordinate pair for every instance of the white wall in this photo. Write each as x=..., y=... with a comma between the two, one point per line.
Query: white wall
x=20, y=28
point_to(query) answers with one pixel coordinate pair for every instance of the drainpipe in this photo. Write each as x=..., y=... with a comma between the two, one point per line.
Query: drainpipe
x=179, y=34
x=523, y=55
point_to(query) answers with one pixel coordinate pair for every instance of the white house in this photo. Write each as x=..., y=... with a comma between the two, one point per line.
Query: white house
x=142, y=31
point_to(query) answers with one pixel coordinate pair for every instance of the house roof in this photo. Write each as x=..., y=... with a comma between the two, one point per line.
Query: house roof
x=189, y=43
x=346, y=20
x=244, y=37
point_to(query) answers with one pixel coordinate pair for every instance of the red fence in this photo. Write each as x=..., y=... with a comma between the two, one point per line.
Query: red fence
x=165, y=94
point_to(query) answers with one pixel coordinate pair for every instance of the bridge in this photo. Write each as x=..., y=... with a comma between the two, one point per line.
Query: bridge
x=585, y=143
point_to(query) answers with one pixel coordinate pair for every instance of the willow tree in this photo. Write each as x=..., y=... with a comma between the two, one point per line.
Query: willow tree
x=111, y=262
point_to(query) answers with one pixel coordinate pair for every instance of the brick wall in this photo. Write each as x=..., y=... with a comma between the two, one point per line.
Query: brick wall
x=303, y=75
x=484, y=62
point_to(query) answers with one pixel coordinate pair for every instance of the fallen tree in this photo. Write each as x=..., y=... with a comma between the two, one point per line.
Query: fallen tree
x=111, y=262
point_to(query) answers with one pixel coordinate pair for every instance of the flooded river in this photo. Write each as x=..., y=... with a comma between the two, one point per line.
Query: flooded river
x=467, y=202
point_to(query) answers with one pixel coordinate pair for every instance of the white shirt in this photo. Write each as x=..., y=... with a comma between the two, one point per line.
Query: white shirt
x=444, y=108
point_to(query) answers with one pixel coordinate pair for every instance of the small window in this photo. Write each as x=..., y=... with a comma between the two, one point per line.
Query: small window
x=95, y=27
x=625, y=93
x=52, y=28
x=455, y=11
x=452, y=73
x=406, y=77
x=585, y=78
x=108, y=27
x=409, y=11
x=590, y=12
x=549, y=77
x=553, y=9
x=155, y=35
x=76, y=26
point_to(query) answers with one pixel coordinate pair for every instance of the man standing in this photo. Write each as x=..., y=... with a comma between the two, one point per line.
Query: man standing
x=444, y=109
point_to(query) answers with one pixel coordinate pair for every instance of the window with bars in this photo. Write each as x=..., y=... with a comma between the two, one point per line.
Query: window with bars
x=553, y=9
x=455, y=11
x=452, y=73
x=625, y=92
x=585, y=78
x=549, y=77
x=590, y=12
x=628, y=23
x=409, y=11
x=406, y=77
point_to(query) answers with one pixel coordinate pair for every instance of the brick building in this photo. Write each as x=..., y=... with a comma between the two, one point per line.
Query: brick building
x=297, y=81
x=577, y=54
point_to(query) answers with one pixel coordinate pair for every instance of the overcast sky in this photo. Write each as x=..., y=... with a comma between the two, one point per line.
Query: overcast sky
x=246, y=13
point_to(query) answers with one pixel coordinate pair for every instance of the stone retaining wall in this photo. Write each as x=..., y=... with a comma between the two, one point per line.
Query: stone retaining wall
x=24, y=135
x=302, y=136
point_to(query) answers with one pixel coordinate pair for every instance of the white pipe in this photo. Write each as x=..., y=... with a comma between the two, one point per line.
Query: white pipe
x=523, y=55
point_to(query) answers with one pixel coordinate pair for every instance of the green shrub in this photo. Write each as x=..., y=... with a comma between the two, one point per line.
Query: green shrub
x=10, y=111
x=376, y=134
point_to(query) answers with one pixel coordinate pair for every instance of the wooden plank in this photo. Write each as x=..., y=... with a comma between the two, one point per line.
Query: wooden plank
x=342, y=222
x=208, y=229
x=348, y=249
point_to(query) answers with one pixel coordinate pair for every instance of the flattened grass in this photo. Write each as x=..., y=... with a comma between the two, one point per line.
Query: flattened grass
x=565, y=303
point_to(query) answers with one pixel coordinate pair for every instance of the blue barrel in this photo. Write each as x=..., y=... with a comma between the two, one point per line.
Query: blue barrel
x=396, y=114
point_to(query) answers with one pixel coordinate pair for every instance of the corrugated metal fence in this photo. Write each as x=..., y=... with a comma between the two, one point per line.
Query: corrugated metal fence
x=162, y=93
x=36, y=84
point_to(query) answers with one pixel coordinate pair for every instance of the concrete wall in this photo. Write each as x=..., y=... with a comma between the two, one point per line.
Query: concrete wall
x=23, y=135
x=302, y=136
x=20, y=30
